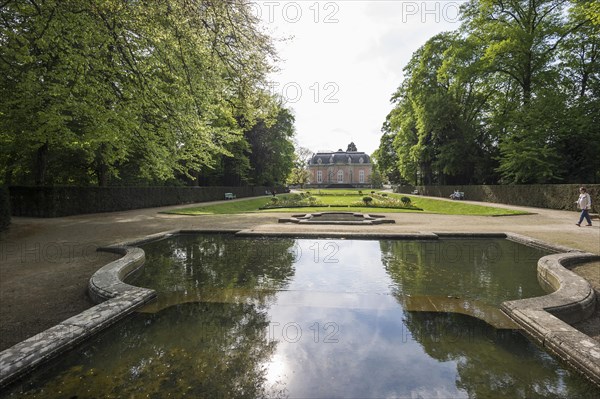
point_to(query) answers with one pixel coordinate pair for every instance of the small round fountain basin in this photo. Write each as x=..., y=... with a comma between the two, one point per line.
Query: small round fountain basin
x=337, y=218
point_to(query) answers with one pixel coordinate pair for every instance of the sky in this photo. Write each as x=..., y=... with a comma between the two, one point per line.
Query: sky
x=341, y=61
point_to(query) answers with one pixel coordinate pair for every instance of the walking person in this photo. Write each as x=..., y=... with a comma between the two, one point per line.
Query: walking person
x=584, y=202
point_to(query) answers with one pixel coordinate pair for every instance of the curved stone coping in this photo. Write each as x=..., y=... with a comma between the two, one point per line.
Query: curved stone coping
x=107, y=282
x=116, y=300
x=545, y=318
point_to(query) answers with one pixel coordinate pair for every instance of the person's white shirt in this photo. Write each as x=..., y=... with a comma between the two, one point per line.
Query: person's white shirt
x=584, y=201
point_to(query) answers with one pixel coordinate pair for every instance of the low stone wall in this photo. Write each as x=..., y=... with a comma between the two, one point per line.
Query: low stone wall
x=552, y=196
x=65, y=201
x=545, y=318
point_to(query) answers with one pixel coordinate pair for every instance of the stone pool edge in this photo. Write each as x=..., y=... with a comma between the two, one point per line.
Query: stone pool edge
x=117, y=299
x=545, y=319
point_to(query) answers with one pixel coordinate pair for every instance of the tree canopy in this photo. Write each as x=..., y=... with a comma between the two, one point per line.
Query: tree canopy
x=113, y=92
x=512, y=96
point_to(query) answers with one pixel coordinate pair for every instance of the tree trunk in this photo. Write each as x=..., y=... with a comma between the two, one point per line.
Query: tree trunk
x=41, y=164
x=584, y=84
x=101, y=168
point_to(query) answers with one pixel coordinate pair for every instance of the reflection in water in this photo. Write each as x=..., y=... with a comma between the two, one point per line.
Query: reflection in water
x=215, y=268
x=239, y=317
x=476, y=276
x=492, y=363
x=488, y=271
x=191, y=350
x=471, y=277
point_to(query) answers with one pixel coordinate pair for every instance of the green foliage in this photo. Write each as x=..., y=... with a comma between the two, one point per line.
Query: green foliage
x=292, y=201
x=512, y=97
x=99, y=91
x=271, y=148
x=367, y=200
x=376, y=179
x=386, y=158
x=382, y=200
x=406, y=201
x=299, y=176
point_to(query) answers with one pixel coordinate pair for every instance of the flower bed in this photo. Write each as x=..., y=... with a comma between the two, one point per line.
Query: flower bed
x=293, y=201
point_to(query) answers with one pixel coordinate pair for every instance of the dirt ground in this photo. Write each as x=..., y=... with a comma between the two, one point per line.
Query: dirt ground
x=45, y=264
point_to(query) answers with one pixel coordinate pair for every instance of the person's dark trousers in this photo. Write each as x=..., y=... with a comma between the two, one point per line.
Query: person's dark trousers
x=585, y=214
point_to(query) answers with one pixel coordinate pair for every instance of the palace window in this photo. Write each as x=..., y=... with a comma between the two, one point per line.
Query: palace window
x=319, y=176
x=340, y=176
x=361, y=176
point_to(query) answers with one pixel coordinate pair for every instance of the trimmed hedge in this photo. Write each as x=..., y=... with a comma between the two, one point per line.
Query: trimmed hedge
x=4, y=208
x=552, y=196
x=65, y=201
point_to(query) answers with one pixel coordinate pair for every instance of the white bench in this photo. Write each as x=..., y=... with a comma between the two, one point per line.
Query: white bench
x=458, y=195
x=229, y=196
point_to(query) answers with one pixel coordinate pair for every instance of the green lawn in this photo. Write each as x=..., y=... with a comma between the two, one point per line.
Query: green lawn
x=338, y=200
x=241, y=206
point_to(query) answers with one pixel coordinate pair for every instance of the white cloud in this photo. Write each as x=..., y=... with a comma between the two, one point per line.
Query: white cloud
x=345, y=61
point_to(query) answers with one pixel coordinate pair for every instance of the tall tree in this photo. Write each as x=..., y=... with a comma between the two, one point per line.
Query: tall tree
x=299, y=174
x=386, y=157
x=521, y=40
x=511, y=97
x=271, y=148
x=112, y=85
x=436, y=123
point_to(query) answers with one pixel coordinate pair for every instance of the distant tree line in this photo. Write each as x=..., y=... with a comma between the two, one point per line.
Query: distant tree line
x=512, y=96
x=113, y=92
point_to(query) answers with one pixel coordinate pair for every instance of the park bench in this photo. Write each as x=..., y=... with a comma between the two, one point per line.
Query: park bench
x=458, y=195
x=229, y=196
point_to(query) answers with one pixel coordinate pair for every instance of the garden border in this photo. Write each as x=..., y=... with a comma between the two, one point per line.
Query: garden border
x=540, y=317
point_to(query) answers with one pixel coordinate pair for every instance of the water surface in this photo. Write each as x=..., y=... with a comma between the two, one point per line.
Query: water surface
x=245, y=318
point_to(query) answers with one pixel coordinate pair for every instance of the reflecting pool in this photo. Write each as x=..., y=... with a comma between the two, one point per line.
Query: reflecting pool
x=279, y=317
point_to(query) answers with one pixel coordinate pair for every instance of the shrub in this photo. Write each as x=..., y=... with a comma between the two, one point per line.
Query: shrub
x=372, y=192
x=406, y=201
x=384, y=194
x=4, y=208
x=367, y=200
x=359, y=192
x=274, y=200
